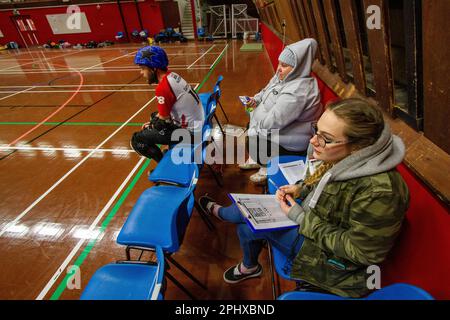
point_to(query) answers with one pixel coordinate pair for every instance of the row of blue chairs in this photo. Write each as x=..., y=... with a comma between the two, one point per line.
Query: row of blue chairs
x=282, y=264
x=158, y=223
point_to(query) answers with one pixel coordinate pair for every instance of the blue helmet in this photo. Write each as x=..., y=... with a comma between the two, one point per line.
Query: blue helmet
x=152, y=57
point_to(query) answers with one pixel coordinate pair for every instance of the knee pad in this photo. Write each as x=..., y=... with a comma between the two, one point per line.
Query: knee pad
x=145, y=150
x=137, y=145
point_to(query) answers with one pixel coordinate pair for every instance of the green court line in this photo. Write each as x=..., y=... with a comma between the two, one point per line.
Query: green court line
x=131, y=124
x=79, y=261
x=212, y=68
x=92, y=242
x=117, y=124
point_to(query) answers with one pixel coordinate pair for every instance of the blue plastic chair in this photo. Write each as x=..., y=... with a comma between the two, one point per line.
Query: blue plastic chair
x=398, y=291
x=282, y=267
x=159, y=219
x=218, y=91
x=179, y=174
x=169, y=170
x=278, y=178
x=128, y=280
x=205, y=99
x=279, y=260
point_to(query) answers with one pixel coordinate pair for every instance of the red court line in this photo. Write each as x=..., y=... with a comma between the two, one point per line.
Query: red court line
x=56, y=111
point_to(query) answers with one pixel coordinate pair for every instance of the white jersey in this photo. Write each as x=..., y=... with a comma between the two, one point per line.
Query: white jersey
x=176, y=96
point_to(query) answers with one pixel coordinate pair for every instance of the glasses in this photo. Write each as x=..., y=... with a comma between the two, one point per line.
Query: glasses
x=323, y=141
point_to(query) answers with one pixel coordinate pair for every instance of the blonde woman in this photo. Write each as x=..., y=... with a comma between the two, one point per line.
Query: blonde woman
x=352, y=206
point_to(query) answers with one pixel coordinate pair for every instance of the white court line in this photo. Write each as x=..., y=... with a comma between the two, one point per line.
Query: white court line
x=66, y=149
x=201, y=56
x=63, y=266
x=101, y=63
x=87, y=85
x=85, y=69
x=187, y=54
x=136, y=47
x=219, y=56
x=25, y=212
x=38, y=61
x=81, y=91
x=11, y=95
x=15, y=60
x=105, y=68
x=97, y=70
x=145, y=89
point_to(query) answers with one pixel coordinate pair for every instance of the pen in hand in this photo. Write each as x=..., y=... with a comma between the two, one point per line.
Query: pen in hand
x=279, y=189
x=249, y=216
x=275, y=185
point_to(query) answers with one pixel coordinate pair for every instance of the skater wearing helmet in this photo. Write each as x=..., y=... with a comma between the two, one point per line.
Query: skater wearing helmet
x=179, y=106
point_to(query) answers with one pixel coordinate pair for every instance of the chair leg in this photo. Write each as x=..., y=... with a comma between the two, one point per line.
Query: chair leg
x=272, y=272
x=127, y=253
x=218, y=123
x=179, y=285
x=220, y=184
x=204, y=216
x=187, y=273
x=223, y=111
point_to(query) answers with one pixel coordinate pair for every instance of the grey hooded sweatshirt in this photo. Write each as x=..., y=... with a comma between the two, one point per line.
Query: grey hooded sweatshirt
x=289, y=105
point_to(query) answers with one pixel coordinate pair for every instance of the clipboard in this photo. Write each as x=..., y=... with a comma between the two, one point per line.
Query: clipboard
x=262, y=212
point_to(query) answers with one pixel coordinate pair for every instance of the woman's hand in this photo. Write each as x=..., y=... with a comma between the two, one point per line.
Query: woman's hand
x=251, y=103
x=292, y=190
x=287, y=204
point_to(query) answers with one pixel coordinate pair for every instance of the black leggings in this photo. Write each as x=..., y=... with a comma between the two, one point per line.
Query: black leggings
x=145, y=142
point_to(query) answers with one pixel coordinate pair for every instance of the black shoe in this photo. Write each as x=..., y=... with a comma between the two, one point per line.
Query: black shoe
x=234, y=274
x=207, y=203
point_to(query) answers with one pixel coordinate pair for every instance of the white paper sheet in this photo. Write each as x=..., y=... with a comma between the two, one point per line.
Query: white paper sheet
x=293, y=171
x=262, y=211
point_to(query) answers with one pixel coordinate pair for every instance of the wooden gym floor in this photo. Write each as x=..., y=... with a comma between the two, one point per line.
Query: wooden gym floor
x=68, y=178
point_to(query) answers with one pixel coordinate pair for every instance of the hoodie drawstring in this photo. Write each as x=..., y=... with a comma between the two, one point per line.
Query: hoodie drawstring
x=322, y=183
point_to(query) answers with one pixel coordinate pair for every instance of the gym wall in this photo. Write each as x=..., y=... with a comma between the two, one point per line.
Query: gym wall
x=104, y=21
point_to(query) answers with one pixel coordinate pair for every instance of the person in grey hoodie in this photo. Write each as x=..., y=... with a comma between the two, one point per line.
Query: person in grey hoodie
x=284, y=109
x=352, y=205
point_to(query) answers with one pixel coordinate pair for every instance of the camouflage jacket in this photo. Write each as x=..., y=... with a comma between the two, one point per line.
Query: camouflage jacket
x=353, y=225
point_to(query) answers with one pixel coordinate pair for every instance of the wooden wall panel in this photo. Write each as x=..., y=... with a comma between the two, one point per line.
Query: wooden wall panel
x=407, y=65
x=276, y=22
x=351, y=25
x=436, y=71
x=298, y=19
x=336, y=41
x=285, y=12
x=380, y=56
x=262, y=14
x=312, y=26
x=304, y=20
x=322, y=33
x=270, y=18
